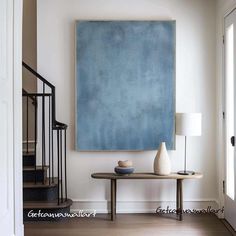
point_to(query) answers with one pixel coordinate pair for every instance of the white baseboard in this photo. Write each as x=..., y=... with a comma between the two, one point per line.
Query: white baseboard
x=20, y=231
x=221, y=214
x=103, y=206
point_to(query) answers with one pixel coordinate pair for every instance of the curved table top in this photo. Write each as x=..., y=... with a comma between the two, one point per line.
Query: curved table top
x=143, y=175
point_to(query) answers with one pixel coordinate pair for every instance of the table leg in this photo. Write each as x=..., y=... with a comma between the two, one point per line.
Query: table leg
x=180, y=200
x=177, y=197
x=113, y=199
x=115, y=194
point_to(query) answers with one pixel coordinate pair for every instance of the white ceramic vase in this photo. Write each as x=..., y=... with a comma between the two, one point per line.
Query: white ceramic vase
x=162, y=165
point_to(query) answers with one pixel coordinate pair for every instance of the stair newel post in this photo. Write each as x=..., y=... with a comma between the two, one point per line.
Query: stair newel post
x=53, y=125
x=65, y=164
x=53, y=106
x=58, y=167
x=35, y=136
x=61, y=165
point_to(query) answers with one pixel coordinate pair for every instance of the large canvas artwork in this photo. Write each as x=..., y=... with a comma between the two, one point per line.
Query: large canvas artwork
x=125, y=85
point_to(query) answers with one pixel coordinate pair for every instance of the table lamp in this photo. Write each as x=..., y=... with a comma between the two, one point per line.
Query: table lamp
x=188, y=124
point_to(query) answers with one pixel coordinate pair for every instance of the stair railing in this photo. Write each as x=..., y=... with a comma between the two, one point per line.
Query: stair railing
x=49, y=134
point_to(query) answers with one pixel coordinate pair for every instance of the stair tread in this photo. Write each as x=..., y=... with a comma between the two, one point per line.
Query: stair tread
x=46, y=204
x=30, y=168
x=40, y=184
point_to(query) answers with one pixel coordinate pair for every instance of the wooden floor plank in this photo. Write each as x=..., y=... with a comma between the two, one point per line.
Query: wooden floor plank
x=131, y=225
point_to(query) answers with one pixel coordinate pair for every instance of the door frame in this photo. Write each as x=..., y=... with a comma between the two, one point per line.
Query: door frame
x=221, y=121
x=220, y=93
x=17, y=120
x=224, y=108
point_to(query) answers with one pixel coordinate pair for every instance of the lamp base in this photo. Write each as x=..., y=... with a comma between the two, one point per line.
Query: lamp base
x=185, y=172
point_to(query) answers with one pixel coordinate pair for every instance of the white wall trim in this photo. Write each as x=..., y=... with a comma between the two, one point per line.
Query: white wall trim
x=102, y=206
x=221, y=161
x=17, y=110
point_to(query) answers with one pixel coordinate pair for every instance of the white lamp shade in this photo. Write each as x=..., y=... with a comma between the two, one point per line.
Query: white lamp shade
x=188, y=124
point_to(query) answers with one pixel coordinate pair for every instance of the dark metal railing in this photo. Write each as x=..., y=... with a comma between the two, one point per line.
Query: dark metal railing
x=45, y=129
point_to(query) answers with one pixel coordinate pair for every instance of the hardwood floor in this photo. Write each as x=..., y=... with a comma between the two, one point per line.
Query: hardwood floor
x=131, y=225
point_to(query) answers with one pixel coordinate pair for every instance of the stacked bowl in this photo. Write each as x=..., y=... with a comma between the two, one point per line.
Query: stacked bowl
x=124, y=167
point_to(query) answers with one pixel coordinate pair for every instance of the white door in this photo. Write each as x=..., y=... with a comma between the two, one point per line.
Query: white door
x=10, y=213
x=230, y=117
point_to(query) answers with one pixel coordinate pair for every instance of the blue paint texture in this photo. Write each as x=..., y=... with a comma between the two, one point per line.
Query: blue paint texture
x=125, y=85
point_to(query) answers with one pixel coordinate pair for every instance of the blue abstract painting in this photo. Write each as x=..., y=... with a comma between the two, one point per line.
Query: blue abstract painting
x=125, y=85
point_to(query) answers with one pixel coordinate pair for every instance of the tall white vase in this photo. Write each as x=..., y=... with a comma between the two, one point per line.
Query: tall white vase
x=162, y=165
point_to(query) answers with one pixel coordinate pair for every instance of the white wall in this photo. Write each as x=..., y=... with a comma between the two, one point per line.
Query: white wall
x=29, y=42
x=29, y=56
x=195, y=92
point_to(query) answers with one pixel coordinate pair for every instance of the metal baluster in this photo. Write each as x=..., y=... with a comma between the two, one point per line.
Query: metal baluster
x=49, y=147
x=58, y=168
x=52, y=157
x=35, y=137
x=27, y=124
x=61, y=166
x=42, y=136
x=43, y=129
x=65, y=167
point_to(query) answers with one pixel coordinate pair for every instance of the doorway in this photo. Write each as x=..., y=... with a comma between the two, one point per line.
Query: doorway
x=230, y=117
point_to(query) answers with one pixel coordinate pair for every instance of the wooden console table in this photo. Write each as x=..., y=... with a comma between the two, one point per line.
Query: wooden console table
x=179, y=191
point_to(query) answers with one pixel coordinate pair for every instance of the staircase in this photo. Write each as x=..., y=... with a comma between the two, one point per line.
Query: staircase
x=44, y=154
